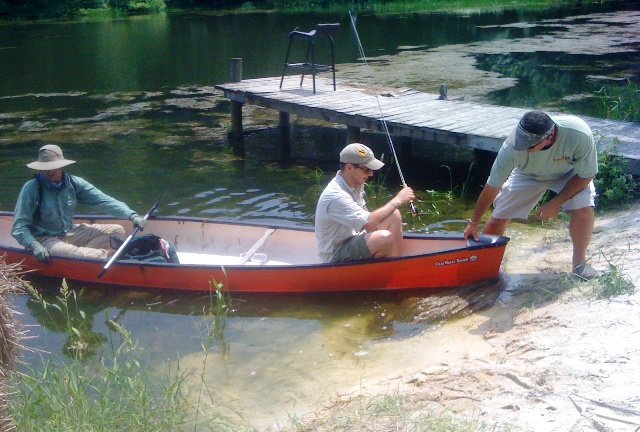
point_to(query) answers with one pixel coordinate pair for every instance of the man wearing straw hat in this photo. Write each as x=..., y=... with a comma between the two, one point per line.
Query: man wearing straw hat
x=43, y=219
x=543, y=154
x=345, y=229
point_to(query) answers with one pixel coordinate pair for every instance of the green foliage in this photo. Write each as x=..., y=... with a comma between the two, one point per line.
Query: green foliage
x=64, y=314
x=46, y=9
x=615, y=187
x=215, y=323
x=620, y=102
x=139, y=6
x=115, y=392
x=612, y=282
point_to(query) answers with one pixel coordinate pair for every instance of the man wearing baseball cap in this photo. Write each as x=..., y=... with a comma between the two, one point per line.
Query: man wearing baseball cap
x=345, y=229
x=543, y=154
x=43, y=219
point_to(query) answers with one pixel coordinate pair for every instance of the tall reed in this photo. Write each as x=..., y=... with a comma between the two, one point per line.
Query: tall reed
x=115, y=390
x=619, y=102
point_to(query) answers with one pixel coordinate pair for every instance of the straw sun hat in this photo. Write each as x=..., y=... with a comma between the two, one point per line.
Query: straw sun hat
x=50, y=157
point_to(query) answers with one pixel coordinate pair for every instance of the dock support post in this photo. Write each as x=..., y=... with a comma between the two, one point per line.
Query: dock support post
x=236, y=136
x=284, y=122
x=353, y=134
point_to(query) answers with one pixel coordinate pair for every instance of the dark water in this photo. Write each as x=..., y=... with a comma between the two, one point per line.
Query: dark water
x=131, y=100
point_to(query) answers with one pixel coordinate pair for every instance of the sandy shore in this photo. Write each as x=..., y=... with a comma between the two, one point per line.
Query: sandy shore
x=544, y=358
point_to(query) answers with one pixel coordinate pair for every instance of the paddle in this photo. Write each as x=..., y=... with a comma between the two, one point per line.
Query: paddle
x=126, y=242
x=251, y=252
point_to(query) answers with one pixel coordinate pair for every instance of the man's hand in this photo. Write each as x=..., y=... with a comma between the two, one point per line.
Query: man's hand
x=40, y=252
x=548, y=211
x=404, y=196
x=138, y=221
x=471, y=230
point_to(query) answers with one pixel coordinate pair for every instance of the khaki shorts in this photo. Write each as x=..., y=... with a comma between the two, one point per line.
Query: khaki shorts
x=353, y=249
x=520, y=194
x=84, y=241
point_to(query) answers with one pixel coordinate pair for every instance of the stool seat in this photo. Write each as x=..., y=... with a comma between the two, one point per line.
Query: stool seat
x=309, y=64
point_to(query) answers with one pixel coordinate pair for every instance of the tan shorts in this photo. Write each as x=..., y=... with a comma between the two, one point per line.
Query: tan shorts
x=84, y=241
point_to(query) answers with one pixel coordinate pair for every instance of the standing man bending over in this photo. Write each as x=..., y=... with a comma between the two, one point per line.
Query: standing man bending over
x=43, y=219
x=345, y=229
x=543, y=154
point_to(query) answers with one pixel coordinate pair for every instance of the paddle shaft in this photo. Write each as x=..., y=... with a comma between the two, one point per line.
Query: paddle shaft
x=383, y=120
x=128, y=240
x=257, y=245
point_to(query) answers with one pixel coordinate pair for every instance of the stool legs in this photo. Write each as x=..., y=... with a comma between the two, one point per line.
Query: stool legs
x=309, y=64
x=286, y=61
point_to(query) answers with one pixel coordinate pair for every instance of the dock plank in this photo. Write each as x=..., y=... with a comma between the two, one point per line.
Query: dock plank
x=412, y=114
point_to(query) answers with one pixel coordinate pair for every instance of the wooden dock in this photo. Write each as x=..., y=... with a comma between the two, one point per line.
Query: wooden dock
x=408, y=113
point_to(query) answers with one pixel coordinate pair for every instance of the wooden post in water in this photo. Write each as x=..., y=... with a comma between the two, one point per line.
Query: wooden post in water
x=284, y=121
x=236, y=135
x=353, y=134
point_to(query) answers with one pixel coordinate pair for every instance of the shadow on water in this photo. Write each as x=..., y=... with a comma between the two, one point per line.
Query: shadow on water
x=379, y=314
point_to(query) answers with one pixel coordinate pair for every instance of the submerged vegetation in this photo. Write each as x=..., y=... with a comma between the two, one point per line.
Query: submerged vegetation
x=109, y=391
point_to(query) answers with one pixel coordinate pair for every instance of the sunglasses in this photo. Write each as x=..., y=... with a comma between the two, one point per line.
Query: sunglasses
x=364, y=169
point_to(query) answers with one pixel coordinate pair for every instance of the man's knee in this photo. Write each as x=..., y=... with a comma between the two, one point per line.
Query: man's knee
x=380, y=242
x=496, y=226
x=584, y=211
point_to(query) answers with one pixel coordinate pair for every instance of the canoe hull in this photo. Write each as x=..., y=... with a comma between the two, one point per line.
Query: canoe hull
x=441, y=268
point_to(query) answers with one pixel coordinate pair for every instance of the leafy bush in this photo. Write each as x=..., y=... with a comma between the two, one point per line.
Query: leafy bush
x=141, y=6
x=615, y=187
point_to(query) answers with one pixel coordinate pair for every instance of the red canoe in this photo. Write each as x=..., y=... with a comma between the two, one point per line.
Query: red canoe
x=261, y=258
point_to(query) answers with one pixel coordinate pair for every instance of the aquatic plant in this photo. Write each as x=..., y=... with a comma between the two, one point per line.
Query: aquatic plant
x=116, y=390
x=619, y=102
x=215, y=336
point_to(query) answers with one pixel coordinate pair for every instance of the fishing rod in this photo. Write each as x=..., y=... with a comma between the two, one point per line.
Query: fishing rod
x=383, y=120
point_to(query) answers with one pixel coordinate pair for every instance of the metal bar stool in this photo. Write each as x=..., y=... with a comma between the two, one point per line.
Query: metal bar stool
x=309, y=63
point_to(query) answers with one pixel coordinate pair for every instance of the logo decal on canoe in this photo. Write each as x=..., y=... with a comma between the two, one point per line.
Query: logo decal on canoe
x=460, y=260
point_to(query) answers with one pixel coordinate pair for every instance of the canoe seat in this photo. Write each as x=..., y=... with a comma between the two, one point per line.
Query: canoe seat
x=192, y=258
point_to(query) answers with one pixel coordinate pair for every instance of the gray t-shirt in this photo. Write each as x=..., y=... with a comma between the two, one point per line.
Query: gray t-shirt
x=574, y=149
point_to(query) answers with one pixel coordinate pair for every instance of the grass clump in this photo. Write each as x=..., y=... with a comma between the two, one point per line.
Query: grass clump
x=11, y=334
x=619, y=102
x=387, y=413
x=612, y=282
x=113, y=391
